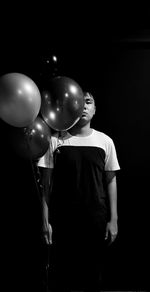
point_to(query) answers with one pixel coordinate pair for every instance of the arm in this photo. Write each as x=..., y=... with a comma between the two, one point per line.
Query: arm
x=112, y=225
x=46, y=177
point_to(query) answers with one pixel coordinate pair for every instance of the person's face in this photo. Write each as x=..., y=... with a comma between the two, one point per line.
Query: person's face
x=89, y=109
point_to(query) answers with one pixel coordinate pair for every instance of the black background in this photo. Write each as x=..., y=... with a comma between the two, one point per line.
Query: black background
x=110, y=58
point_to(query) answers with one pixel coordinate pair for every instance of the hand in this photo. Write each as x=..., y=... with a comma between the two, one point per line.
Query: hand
x=111, y=230
x=47, y=232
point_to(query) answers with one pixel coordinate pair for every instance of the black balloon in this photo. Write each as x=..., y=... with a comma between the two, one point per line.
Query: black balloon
x=62, y=103
x=31, y=142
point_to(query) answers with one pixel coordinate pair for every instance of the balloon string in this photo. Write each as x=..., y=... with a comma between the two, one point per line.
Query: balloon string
x=37, y=184
x=47, y=268
x=27, y=133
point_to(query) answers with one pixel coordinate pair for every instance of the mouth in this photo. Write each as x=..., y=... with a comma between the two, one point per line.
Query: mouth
x=84, y=114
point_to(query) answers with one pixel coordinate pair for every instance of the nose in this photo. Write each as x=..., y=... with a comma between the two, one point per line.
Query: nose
x=85, y=105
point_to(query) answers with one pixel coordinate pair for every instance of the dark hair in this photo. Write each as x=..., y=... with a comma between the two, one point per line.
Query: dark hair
x=88, y=93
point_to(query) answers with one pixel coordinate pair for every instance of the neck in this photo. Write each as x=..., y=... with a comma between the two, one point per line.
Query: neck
x=78, y=130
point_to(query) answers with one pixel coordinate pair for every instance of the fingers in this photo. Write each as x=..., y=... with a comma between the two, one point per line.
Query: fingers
x=111, y=231
x=106, y=235
x=113, y=236
x=48, y=235
x=110, y=236
x=46, y=239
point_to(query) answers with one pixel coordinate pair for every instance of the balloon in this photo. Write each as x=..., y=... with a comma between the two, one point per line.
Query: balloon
x=31, y=142
x=62, y=103
x=20, y=99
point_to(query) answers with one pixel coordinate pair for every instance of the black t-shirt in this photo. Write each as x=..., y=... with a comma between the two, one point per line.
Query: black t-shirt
x=78, y=181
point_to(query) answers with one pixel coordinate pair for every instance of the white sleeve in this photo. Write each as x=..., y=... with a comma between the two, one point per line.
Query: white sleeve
x=111, y=160
x=47, y=160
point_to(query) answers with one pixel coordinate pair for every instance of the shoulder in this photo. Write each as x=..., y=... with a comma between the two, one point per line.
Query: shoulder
x=104, y=137
x=53, y=141
x=57, y=139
